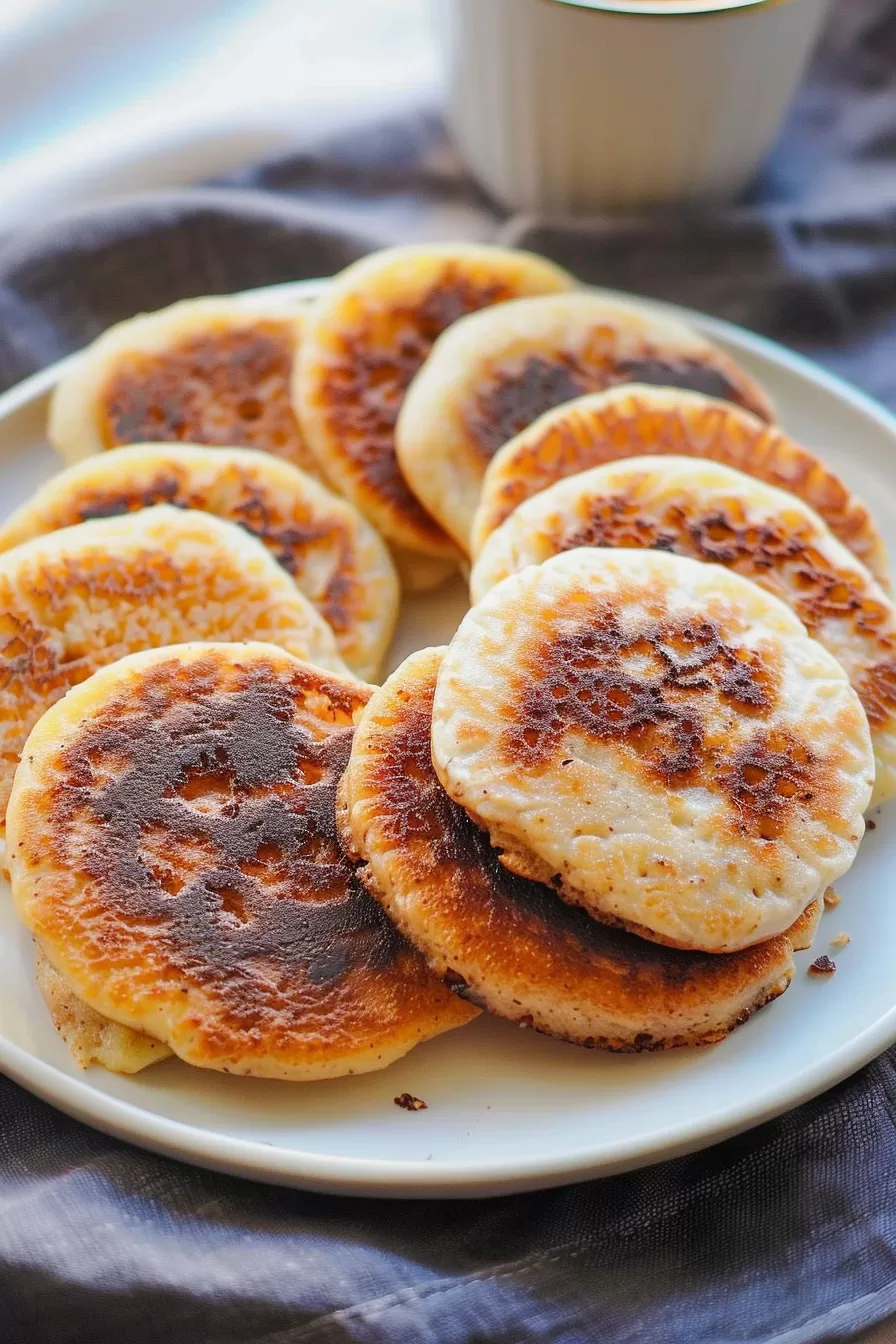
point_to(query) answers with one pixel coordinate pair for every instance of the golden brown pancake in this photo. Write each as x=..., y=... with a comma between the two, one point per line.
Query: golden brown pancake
x=92, y=1038
x=335, y=557
x=82, y=597
x=495, y=372
x=509, y=944
x=212, y=370
x=660, y=739
x=639, y=421
x=173, y=847
x=690, y=506
x=365, y=340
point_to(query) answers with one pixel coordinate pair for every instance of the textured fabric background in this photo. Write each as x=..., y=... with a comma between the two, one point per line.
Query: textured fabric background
x=785, y=1235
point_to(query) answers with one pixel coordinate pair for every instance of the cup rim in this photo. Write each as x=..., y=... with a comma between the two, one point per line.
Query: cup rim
x=667, y=9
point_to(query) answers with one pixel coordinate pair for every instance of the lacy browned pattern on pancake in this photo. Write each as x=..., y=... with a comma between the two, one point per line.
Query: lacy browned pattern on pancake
x=371, y=368
x=661, y=689
x=288, y=536
x=70, y=604
x=34, y=665
x=464, y=894
x=205, y=814
x=518, y=392
x=779, y=553
x=634, y=427
x=226, y=386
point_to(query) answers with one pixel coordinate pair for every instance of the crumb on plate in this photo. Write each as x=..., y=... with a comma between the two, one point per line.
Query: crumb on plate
x=841, y=940
x=831, y=898
x=409, y=1103
x=822, y=966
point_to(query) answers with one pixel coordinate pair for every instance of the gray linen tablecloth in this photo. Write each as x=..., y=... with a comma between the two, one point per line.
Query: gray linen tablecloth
x=787, y=1234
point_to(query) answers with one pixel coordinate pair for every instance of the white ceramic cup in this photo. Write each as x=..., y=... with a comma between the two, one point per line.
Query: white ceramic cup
x=578, y=105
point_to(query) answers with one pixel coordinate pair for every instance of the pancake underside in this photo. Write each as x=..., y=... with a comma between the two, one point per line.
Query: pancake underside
x=91, y=1037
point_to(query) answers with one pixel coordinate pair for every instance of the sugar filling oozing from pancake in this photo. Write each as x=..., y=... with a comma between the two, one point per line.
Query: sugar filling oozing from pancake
x=186, y=876
x=510, y=944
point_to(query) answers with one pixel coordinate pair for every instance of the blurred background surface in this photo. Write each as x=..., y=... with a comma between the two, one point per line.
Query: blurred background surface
x=103, y=96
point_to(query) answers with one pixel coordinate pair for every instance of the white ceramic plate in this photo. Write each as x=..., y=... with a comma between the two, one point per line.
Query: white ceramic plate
x=508, y=1110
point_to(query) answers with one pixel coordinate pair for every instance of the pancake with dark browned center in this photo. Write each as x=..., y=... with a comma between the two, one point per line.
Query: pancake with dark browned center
x=660, y=739
x=709, y=512
x=510, y=944
x=212, y=370
x=333, y=554
x=81, y=597
x=173, y=849
x=647, y=421
x=495, y=372
x=366, y=338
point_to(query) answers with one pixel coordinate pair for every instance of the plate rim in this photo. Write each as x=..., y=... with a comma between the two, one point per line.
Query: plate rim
x=391, y=1178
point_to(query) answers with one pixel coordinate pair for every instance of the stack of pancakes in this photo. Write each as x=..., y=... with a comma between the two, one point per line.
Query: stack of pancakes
x=609, y=809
